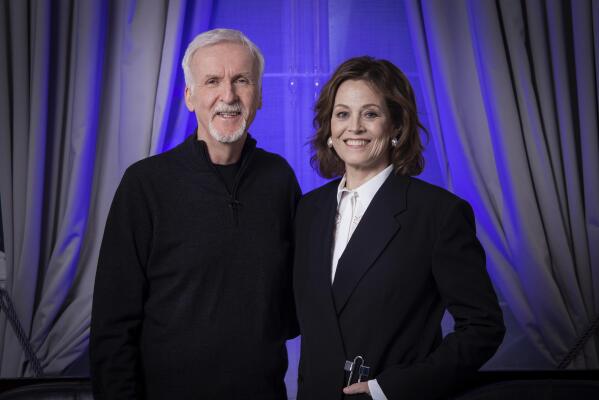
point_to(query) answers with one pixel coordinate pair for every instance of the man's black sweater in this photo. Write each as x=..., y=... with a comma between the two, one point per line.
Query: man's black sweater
x=193, y=296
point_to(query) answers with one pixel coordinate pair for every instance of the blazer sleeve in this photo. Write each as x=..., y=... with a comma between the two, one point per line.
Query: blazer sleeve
x=119, y=294
x=458, y=268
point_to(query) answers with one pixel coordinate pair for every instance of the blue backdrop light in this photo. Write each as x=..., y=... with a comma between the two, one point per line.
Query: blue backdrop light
x=303, y=42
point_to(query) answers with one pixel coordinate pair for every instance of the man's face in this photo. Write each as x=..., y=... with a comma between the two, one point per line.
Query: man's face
x=225, y=93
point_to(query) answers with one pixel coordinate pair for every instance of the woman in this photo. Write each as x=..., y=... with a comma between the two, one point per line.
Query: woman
x=380, y=255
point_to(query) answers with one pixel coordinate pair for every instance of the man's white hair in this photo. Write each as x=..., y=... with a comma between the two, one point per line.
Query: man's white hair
x=216, y=36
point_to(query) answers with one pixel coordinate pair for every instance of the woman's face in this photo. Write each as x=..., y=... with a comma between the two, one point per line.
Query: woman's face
x=361, y=128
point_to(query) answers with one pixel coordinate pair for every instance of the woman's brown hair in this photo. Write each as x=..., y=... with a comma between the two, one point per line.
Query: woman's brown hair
x=394, y=87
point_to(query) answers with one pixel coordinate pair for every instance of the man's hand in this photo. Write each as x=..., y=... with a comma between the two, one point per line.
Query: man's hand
x=357, y=388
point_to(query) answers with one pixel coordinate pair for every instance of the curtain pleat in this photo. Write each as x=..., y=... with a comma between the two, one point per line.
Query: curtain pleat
x=87, y=84
x=510, y=88
x=517, y=131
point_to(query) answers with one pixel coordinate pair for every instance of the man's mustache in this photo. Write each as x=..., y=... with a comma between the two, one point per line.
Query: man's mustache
x=228, y=108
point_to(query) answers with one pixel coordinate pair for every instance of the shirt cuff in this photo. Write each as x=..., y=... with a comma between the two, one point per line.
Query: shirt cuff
x=375, y=390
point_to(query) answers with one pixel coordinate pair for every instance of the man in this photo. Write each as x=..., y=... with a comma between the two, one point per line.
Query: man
x=193, y=292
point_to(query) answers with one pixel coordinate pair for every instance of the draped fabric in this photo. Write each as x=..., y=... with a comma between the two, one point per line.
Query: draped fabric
x=89, y=87
x=86, y=88
x=511, y=95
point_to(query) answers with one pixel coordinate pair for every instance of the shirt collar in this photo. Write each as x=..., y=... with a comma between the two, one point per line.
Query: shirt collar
x=368, y=189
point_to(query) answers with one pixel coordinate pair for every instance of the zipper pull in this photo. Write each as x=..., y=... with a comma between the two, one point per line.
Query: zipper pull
x=234, y=204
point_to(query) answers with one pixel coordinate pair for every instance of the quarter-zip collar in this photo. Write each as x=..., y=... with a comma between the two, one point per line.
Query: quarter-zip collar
x=201, y=150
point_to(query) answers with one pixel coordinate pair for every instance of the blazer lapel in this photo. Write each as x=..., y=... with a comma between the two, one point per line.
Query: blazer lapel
x=376, y=228
x=322, y=231
x=322, y=239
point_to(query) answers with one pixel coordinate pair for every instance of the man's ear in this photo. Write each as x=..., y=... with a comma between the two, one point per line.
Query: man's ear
x=187, y=95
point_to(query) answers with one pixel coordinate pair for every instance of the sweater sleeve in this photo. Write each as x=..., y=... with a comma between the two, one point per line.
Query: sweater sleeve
x=119, y=294
x=458, y=266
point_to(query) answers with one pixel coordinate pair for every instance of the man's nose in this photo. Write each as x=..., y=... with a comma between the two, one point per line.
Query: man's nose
x=228, y=94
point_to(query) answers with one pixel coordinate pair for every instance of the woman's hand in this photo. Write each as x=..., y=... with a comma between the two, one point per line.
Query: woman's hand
x=357, y=388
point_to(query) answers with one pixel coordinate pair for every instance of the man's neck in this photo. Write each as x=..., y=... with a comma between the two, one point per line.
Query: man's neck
x=224, y=153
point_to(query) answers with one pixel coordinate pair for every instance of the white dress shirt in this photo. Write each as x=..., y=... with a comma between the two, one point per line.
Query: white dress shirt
x=351, y=206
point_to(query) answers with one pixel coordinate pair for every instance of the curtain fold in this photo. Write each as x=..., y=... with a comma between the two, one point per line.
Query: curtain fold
x=83, y=86
x=56, y=328
x=510, y=87
x=585, y=23
x=518, y=127
x=171, y=118
x=27, y=92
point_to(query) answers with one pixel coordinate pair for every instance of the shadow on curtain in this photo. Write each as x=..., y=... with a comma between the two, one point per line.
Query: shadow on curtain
x=511, y=93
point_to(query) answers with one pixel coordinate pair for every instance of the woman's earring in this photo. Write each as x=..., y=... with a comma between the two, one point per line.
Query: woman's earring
x=330, y=142
x=394, y=142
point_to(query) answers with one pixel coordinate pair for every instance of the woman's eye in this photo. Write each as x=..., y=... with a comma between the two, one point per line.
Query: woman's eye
x=371, y=114
x=341, y=114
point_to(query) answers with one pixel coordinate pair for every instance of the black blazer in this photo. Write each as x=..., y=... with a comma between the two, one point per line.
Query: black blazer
x=413, y=255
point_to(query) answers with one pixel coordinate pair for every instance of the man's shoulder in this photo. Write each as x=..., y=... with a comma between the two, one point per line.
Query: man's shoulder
x=157, y=164
x=270, y=159
x=272, y=166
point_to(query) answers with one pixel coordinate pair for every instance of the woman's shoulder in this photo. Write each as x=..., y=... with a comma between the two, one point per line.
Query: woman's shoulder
x=418, y=186
x=322, y=191
x=320, y=196
x=424, y=192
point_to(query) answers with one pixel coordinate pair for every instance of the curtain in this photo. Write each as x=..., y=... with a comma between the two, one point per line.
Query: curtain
x=86, y=89
x=89, y=87
x=511, y=96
